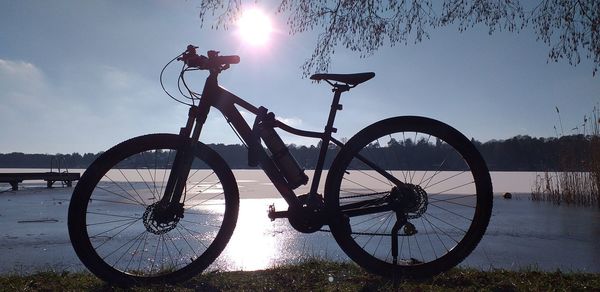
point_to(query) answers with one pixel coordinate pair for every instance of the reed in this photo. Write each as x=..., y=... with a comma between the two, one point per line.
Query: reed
x=576, y=182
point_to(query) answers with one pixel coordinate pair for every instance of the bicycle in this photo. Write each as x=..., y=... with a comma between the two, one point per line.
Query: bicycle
x=407, y=196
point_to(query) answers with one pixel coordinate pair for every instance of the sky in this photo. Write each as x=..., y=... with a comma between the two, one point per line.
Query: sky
x=81, y=76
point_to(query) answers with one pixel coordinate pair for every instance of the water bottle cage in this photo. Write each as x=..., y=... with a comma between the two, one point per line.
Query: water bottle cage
x=263, y=118
x=263, y=128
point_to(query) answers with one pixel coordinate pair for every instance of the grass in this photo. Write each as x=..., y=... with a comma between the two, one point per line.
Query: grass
x=318, y=275
x=576, y=182
x=571, y=188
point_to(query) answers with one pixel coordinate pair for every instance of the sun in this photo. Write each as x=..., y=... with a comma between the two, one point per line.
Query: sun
x=254, y=27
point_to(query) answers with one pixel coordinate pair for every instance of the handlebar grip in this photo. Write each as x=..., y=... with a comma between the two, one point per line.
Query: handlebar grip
x=213, y=61
x=233, y=59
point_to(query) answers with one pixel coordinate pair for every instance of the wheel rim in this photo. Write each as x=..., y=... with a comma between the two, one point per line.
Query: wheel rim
x=118, y=209
x=443, y=222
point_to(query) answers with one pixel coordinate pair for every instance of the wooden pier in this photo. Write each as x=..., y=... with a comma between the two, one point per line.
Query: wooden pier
x=50, y=177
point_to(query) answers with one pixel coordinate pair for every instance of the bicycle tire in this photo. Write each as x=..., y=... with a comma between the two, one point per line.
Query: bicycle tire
x=109, y=223
x=449, y=217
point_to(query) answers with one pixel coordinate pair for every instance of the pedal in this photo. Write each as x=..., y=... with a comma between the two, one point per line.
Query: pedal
x=272, y=214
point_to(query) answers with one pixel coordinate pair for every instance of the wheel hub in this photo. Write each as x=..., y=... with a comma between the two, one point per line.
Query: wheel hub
x=162, y=218
x=411, y=200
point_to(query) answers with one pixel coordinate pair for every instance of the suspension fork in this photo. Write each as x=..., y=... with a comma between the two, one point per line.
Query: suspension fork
x=184, y=156
x=185, y=153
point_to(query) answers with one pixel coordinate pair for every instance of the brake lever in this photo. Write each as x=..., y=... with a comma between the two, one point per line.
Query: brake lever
x=189, y=51
x=192, y=59
x=212, y=54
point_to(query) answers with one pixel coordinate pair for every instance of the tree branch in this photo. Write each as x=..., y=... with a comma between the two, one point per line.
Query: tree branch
x=364, y=26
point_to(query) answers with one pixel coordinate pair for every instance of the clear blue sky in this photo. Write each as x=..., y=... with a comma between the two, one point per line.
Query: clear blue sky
x=81, y=76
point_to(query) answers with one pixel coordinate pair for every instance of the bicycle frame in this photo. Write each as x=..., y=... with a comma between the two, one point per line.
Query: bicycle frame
x=215, y=96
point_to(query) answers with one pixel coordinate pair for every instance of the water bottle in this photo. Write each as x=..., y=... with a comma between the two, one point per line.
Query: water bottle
x=286, y=163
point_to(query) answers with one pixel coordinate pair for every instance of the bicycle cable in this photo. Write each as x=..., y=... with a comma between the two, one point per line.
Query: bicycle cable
x=163, y=85
x=234, y=131
x=180, y=79
x=193, y=95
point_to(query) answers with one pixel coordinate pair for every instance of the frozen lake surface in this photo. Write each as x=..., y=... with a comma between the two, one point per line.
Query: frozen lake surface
x=522, y=233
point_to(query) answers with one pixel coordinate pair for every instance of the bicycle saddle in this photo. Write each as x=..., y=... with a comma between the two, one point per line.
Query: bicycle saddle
x=350, y=79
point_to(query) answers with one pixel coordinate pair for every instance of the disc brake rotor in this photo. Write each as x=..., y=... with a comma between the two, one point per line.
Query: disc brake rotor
x=152, y=221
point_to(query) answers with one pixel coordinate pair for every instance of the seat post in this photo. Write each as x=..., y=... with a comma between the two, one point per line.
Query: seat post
x=338, y=89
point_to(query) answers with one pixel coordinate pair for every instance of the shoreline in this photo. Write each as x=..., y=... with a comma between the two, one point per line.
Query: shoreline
x=254, y=180
x=320, y=275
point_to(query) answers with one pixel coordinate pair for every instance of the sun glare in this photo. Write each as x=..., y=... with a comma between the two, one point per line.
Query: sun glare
x=255, y=27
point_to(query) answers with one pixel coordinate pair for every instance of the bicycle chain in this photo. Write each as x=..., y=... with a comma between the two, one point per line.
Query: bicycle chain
x=357, y=196
x=422, y=208
x=364, y=195
x=367, y=233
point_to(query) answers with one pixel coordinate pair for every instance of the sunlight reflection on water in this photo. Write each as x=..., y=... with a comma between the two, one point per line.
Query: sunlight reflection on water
x=521, y=234
x=253, y=245
x=259, y=243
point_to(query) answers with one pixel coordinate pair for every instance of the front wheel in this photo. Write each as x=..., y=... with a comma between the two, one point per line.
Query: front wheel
x=409, y=197
x=114, y=215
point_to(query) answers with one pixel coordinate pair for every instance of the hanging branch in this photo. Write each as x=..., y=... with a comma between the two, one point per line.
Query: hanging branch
x=569, y=27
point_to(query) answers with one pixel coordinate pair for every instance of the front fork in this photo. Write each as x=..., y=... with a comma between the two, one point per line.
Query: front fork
x=176, y=185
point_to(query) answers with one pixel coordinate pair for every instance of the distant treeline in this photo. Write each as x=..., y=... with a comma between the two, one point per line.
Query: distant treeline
x=520, y=153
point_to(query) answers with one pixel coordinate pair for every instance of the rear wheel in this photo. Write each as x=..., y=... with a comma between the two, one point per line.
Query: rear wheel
x=409, y=197
x=124, y=236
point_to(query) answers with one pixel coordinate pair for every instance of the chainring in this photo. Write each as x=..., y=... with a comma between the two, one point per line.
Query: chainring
x=309, y=218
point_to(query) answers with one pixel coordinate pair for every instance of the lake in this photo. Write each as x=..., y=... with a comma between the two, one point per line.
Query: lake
x=521, y=234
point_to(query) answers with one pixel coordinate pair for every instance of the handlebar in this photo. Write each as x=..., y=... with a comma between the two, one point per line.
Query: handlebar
x=213, y=61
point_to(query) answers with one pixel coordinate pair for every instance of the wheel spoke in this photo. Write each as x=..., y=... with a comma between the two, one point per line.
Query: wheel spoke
x=128, y=197
x=132, y=187
x=441, y=181
x=435, y=208
x=452, y=212
x=148, y=242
